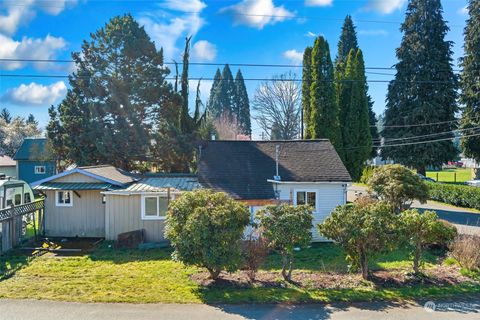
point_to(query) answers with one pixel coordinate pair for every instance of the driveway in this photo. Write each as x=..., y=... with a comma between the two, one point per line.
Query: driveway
x=466, y=220
x=50, y=310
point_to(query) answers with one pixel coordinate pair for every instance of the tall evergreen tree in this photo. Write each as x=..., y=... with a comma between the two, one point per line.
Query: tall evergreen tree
x=324, y=121
x=242, y=105
x=185, y=123
x=470, y=83
x=357, y=139
x=117, y=95
x=348, y=41
x=306, y=84
x=5, y=115
x=214, y=106
x=423, y=91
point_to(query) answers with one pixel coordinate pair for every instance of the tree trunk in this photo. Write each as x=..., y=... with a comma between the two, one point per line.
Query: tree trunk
x=416, y=259
x=364, y=264
x=476, y=173
x=422, y=170
x=286, y=263
x=214, y=273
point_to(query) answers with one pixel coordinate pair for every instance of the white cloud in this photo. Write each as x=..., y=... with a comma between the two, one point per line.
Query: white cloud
x=294, y=56
x=13, y=15
x=36, y=94
x=257, y=13
x=463, y=11
x=374, y=32
x=204, y=51
x=385, y=6
x=184, y=5
x=29, y=48
x=167, y=28
x=318, y=3
x=310, y=34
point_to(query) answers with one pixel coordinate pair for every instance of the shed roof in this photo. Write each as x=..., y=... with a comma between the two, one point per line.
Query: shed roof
x=33, y=149
x=160, y=183
x=243, y=168
x=74, y=186
x=6, y=161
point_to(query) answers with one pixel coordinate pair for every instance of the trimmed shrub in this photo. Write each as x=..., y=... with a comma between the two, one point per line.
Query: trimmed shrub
x=457, y=195
x=286, y=227
x=206, y=229
x=466, y=250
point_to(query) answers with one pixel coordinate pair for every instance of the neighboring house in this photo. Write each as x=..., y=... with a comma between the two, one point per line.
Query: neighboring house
x=103, y=201
x=309, y=172
x=8, y=167
x=34, y=162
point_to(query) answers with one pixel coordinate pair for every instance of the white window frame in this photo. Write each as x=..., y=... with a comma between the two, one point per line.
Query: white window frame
x=37, y=169
x=161, y=195
x=306, y=197
x=63, y=204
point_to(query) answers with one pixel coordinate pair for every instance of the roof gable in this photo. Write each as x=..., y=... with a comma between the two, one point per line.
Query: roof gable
x=33, y=149
x=106, y=174
x=243, y=168
x=6, y=161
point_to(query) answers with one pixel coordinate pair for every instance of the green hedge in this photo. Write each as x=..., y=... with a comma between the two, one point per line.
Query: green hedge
x=457, y=195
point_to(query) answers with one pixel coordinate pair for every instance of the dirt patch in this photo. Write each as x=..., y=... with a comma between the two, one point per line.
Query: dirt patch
x=436, y=276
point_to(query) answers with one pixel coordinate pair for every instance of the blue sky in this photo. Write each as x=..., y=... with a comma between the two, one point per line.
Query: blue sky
x=224, y=31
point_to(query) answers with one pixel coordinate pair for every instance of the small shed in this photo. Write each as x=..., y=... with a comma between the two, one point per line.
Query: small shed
x=143, y=205
x=74, y=204
x=34, y=161
x=8, y=167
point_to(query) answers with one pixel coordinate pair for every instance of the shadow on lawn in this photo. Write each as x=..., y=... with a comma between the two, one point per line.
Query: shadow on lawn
x=106, y=252
x=13, y=261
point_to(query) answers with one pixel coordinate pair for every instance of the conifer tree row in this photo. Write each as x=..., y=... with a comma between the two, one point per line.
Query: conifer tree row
x=229, y=96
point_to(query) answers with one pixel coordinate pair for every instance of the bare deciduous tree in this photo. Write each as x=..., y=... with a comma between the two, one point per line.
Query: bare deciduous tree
x=227, y=127
x=277, y=107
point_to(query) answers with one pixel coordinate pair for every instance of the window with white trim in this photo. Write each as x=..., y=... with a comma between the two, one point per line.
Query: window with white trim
x=154, y=207
x=306, y=197
x=40, y=170
x=64, y=198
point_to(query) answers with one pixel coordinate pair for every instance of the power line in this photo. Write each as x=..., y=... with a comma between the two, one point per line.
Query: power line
x=383, y=140
x=12, y=75
x=6, y=60
x=419, y=124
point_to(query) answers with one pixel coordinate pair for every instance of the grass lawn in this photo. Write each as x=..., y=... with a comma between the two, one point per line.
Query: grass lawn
x=448, y=175
x=135, y=276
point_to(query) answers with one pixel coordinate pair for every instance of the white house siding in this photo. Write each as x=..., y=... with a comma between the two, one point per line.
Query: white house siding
x=328, y=195
x=86, y=218
x=123, y=214
x=9, y=171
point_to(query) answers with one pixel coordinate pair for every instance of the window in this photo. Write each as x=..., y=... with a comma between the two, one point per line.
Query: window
x=40, y=170
x=64, y=198
x=154, y=207
x=307, y=197
x=18, y=199
x=27, y=198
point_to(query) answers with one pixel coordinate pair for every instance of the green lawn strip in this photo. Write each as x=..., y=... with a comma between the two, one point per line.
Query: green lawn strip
x=136, y=276
x=448, y=175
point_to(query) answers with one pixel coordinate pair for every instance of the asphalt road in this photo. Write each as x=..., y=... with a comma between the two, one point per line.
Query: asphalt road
x=49, y=310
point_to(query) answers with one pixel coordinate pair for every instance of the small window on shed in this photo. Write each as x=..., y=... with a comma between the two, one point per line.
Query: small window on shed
x=18, y=199
x=64, y=198
x=40, y=170
x=154, y=207
x=27, y=198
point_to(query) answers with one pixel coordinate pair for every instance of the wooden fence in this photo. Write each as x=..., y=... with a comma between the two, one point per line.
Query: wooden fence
x=16, y=221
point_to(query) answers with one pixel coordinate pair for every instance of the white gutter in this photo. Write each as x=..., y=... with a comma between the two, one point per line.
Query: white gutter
x=309, y=182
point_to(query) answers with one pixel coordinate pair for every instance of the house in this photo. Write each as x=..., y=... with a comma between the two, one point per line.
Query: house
x=103, y=201
x=34, y=162
x=8, y=167
x=260, y=173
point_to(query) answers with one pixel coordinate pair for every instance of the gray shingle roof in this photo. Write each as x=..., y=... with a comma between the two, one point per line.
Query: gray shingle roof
x=242, y=168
